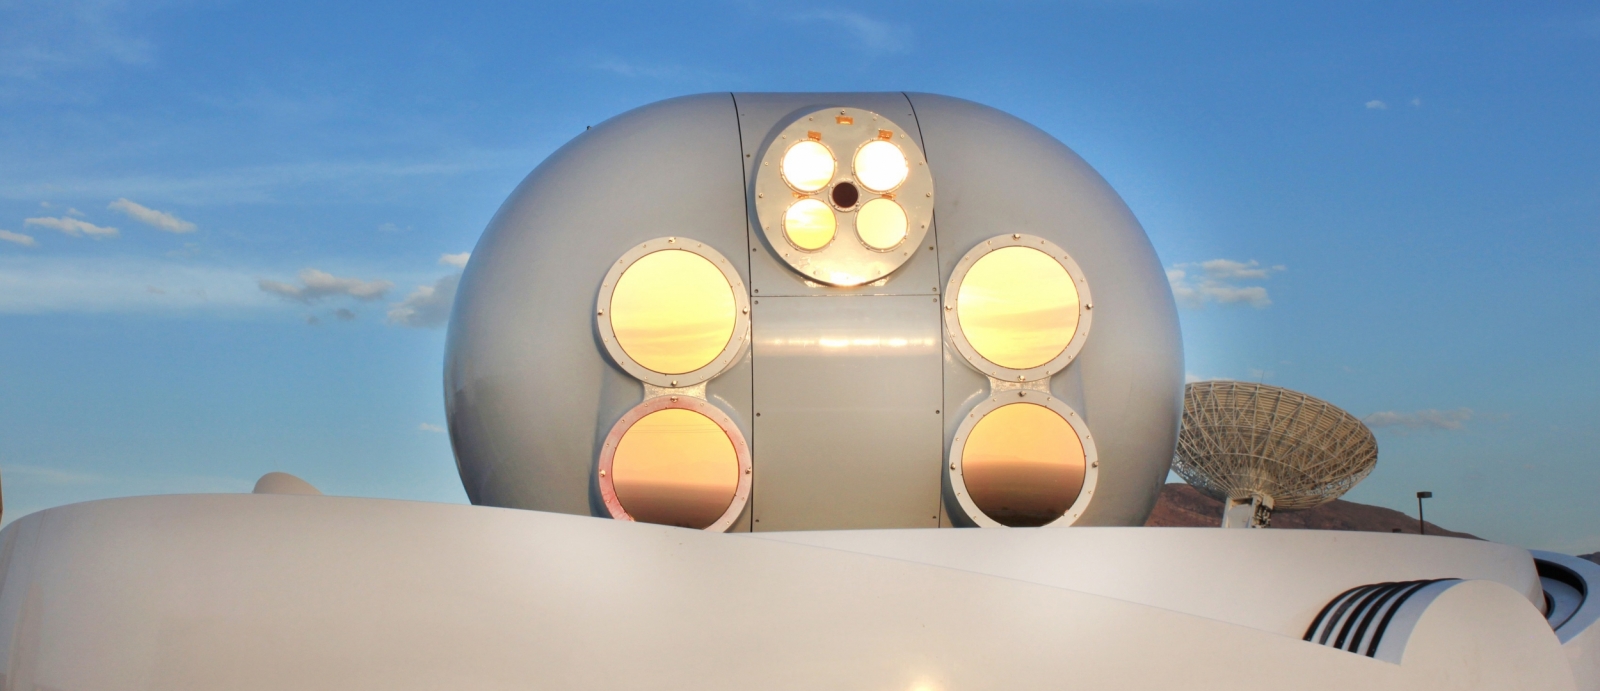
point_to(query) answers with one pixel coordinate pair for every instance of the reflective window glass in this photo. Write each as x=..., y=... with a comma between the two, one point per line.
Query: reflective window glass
x=881, y=224
x=810, y=224
x=1023, y=465
x=807, y=166
x=673, y=311
x=881, y=166
x=675, y=467
x=1018, y=307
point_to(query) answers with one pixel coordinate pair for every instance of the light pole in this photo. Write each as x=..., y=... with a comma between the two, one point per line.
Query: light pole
x=1422, y=526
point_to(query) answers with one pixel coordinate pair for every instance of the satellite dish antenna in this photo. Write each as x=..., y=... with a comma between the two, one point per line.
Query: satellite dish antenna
x=1259, y=449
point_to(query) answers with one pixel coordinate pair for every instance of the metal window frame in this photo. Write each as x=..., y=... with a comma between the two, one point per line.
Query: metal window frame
x=784, y=223
x=853, y=263
x=952, y=309
x=730, y=350
x=741, y=450
x=954, y=461
x=834, y=156
x=910, y=169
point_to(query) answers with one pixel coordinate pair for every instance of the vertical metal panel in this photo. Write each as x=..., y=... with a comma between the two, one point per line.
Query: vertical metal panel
x=761, y=116
x=529, y=389
x=996, y=175
x=848, y=395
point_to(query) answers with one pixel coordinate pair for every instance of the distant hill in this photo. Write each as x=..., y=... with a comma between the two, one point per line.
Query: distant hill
x=1591, y=557
x=1183, y=506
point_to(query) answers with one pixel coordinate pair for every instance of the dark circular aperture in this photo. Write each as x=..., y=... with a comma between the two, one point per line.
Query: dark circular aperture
x=845, y=195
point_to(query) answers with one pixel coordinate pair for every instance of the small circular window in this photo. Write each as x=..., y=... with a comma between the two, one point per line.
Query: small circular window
x=881, y=166
x=809, y=224
x=881, y=224
x=808, y=166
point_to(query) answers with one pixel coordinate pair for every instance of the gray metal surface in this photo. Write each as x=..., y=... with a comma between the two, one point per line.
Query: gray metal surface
x=529, y=392
x=997, y=174
x=848, y=395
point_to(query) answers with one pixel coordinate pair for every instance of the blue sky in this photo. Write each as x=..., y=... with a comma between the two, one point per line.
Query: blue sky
x=1395, y=207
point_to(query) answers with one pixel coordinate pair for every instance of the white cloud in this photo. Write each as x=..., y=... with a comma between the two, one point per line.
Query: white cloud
x=51, y=476
x=425, y=427
x=1377, y=105
x=873, y=35
x=1191, y=377
x=456, y=260
x=151, y=217
x=17, y=238
x=427, y=306
x=634, y=69
x=1429, y=419
x=72, y=226
x=1226, y=294
x=1223, y=269
x=316, y=285
x=278, y=183
x=344, y=315
x=1216, y=281
x=37, y=284
x=39, y=37
x=1416, y=103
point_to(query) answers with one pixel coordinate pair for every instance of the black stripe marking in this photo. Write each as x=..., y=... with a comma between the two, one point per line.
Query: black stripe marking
x=1377, y=636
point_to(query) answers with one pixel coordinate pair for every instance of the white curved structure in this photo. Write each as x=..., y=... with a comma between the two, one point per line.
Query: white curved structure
x=307, y=592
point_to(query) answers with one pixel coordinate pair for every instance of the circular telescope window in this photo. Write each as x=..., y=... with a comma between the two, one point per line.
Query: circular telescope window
x=881, y=224
x=809, y=225
x=675, y=467
x=843, y=173
x=1020, y=309
x=1022, y=459
x=808, y=166
x=1023, y=465
x=675, y=460
x=672, y=312
x=881, y=166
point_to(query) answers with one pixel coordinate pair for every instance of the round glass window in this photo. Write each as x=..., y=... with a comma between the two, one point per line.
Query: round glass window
x=881, y=224
x=1018, y=307
x=1023, y=465
x=881, y=166
x=673, y=311
x=675, y=467
x=807, y=166
x=809, y=224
